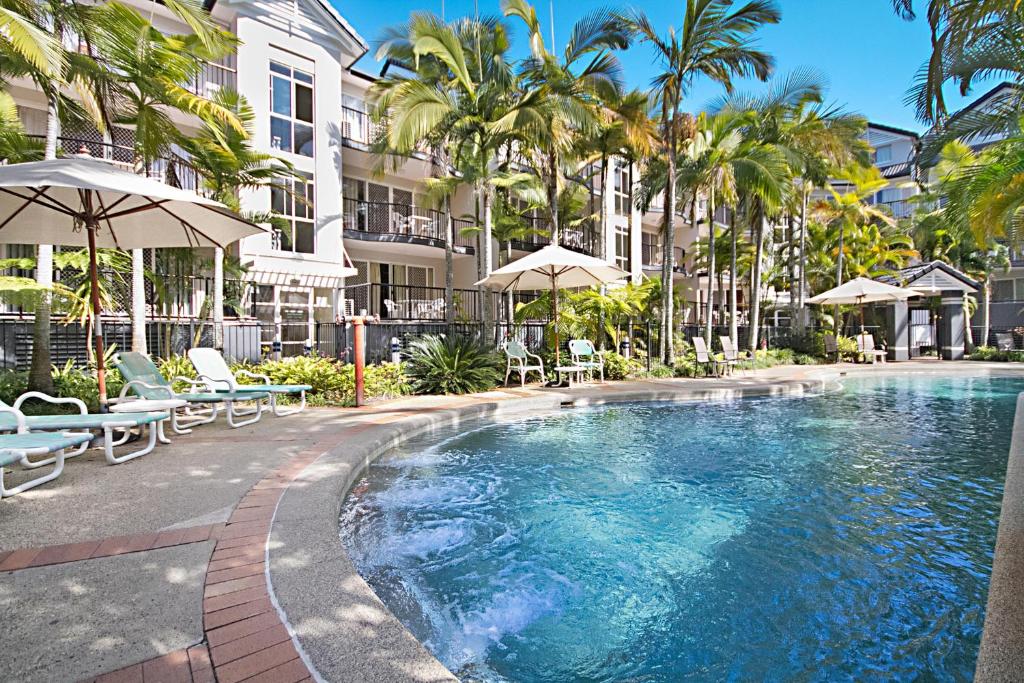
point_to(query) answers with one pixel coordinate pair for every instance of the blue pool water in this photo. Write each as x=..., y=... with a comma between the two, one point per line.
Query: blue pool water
x=841, y=537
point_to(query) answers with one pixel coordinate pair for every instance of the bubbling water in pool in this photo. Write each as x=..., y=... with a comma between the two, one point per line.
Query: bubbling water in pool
x=844, y=536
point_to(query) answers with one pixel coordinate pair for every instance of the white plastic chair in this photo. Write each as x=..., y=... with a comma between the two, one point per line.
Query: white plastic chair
x=519, y=360
x=866, y=347
x=584, y=355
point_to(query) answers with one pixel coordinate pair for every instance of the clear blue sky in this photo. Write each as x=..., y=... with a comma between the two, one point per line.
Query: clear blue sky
x=868, y=54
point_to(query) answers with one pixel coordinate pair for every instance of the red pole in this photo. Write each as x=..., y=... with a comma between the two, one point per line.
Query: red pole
x=360, y=355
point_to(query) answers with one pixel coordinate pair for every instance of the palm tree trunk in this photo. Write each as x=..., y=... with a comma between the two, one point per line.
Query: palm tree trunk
x=755, y=278
x=791, y=265
x=986, y=318
x=802, y=290
x=839, y=271
x=553, y=197
x=668, y=252
x=138, y=312
x=449, y=276
x=218, y=298
x=488, y=261
x=711, y=267
x=40, y=377
x=602, y=250
x=733, y=305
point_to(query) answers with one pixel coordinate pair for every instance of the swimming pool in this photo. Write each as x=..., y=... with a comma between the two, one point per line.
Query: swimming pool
x=846, y=536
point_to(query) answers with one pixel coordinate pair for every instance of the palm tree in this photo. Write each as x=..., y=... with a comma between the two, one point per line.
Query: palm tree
x=146, y=72
x=463, y=97
x=721, y=159
x=813, y=138
x=624, y=130
x=568, y=92
x=715, y=41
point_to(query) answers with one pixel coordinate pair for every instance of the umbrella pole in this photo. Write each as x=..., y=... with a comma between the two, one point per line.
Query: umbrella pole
x=554, y=316
x=97, y=327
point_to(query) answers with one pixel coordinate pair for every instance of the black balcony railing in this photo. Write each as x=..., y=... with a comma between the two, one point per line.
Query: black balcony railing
x=899, y=209
x=582, y=238
x=213, y=77
x=418, y=302
x=171, y=169
x=651, y=253
x=357, y=126
x=382, y=220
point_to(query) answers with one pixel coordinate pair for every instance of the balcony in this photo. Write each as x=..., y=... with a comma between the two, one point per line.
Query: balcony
x=173, y=169
x=213, y=77
x=390, y=222
x=581, y=238
x=416, y=302
x=651, y=253
x=356, y=126
x=897, y=209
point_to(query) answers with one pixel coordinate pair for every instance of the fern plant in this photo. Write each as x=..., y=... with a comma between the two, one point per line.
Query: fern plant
x=437, y=364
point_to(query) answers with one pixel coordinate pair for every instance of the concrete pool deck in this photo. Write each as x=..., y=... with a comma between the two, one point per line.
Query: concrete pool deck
x=218, y=558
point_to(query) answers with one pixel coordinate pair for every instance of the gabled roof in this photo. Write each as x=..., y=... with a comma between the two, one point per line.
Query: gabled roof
x=907, y=277
x=331, y=11
x=893, y=129
x=903, y=168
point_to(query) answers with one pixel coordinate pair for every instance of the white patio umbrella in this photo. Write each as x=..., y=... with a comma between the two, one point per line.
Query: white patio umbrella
x=553, y=267
x=82, y=202
x=862, y=291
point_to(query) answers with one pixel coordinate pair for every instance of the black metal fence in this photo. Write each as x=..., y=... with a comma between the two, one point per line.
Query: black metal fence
x=163, y=338
x=1002, y=338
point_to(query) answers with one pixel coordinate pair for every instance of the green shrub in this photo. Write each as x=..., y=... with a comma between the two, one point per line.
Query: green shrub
x=451, y=365
x=323, y=374
x=12, y=385
x=387, y=380
x=660, y=370
x=176, y=366
x=990, y=353
x=617, y=366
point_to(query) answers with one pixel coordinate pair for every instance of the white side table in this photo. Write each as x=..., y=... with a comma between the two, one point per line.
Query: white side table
x=571, y=370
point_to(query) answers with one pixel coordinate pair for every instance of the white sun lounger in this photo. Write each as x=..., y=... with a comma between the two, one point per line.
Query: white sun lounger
x=214, y=372
x=17, y=448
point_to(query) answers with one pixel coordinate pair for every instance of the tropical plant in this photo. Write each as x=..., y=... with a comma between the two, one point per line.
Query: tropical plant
x=438, y=364
x=715, y=41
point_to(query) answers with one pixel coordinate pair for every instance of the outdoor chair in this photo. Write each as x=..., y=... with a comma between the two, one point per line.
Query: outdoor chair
x=17, y=447
x=831, y=346
x=83, y=420
x=584, y=355
x=1004, y=341
x=866, y=348
x=519, y=359
x=731, y=353
x=704, y=358
x=143, y=377
x=213, y=370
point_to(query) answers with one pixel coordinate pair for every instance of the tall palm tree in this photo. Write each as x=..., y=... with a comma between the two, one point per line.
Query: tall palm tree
x=463, y=97
x=722, y=159
x=568, y=91
x=715, y=41
x=146, y=75
x=814, y=139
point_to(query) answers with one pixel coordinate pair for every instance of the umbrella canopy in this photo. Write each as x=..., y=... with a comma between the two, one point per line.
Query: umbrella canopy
x=569, y=268
x=553, y=267
x=84, y=202
x=44, y=202
x=862, y=291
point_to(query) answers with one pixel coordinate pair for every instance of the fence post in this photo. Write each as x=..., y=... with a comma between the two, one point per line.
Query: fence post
x=360, y=356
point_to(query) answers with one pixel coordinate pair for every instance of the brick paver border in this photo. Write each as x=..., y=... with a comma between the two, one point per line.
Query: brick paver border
x=24, y=558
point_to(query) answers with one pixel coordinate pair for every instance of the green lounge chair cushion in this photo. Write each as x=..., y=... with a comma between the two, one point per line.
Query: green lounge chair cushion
x=218, y=397
x=50, y=441
x=79, y=421
x=275, y=388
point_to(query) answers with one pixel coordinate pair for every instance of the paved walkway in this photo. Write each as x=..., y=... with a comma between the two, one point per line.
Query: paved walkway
x=155, y=570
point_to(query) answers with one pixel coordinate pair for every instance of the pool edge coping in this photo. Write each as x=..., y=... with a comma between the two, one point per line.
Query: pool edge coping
x=344, y=631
